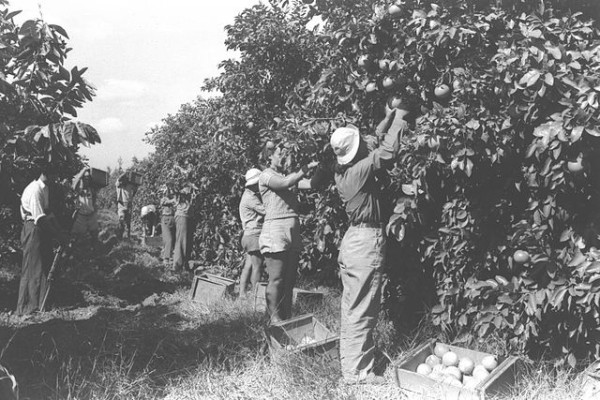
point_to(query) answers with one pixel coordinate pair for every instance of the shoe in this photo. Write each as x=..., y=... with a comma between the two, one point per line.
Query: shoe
x=370, y=379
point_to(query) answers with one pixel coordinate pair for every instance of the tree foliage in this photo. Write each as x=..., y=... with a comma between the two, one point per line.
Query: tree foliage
x=485, y=171
x=38, y=98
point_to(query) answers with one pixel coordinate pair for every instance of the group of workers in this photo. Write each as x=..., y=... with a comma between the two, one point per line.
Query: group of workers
x=271, y=231
x=269, y=214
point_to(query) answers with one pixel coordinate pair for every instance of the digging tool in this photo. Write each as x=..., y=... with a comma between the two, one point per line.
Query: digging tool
x=57, y=255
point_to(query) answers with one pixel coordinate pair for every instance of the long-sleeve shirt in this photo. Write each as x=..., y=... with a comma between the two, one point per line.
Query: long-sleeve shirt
x=252, y=212
x=357, y=185
x=35, y=201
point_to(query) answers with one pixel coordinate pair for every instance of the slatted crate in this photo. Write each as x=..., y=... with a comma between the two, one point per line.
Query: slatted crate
x=209, y=288
x=498, y=383
x=289, y=335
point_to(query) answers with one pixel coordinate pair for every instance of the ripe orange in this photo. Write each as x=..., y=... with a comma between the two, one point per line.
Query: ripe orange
x=388, y=82
x=450, y=359
x=424, y=369
x=394, y=10
x=454, y=372
x=442, y=92
x=489, y=362
x=466, y=365
x=521, y=256
x=433, y=360
x=371, y=87
x=440, y=349
x=384, y=64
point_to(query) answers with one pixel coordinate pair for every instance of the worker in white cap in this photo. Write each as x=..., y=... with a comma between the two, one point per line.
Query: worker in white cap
x=362, y=251
x=252, y=214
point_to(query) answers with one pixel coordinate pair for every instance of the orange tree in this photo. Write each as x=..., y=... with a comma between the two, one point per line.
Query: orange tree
x=501, y=158
x=38, y=96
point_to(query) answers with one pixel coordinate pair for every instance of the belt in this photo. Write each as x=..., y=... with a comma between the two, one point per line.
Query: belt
x=378, y=225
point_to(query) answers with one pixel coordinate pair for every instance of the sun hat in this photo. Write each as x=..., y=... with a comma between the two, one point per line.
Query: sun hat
x=252, y=176
x=345, y=142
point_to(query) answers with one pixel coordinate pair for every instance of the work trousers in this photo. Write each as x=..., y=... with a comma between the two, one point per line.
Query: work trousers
x=37, y=259
x=182, y=242
x=167, y=224
x=361, y=257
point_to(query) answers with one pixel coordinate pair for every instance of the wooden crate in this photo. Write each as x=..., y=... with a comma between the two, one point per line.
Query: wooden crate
x=498, y=383
x=310, y=297
x=152, y=241
x=591, y=382
x=260, y=300
x=134, y=177
x=288, y=335
x=99, y=177
x=208, y=288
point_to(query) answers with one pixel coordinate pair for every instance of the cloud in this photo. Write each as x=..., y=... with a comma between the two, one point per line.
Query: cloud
x=121, y=89
x=109, y=125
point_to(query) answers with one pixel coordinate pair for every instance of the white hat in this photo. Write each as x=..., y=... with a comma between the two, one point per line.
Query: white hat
x=345, y=142
x=252, y=176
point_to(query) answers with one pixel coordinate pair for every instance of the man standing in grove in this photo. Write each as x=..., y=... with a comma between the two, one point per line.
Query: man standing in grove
x=85, y=224
x=39, y=228
x=362, y=251
x=125, y=192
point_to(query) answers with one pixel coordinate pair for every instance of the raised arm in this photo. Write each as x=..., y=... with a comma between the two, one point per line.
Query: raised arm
x=392, y=129
x=278, y=183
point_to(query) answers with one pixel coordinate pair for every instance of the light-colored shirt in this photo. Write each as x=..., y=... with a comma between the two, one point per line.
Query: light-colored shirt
x=357, y=185
x=125, y=193
x=252, y=212
x=278, y=203
x=183, y=208
x=167, y=204
x=35, y=201
x=86, y=200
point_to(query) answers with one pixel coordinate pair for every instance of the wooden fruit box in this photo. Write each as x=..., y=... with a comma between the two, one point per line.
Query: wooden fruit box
x=591, y=382
x=152, y=241
x=498, y=383
x=311, y=297
x=99, y=177
x=208, y=288
x=134, y=177
x=289, y=335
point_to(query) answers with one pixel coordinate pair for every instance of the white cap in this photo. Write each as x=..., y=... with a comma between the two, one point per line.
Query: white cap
x=252, y=176
x=345, y=142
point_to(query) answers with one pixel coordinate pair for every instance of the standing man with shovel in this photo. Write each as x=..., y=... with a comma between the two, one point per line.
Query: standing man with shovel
x=39, y=228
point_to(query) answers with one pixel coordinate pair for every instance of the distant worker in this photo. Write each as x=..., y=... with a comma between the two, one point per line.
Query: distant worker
x=252, y=214
x=85, y=224
x=167, y=223
x=40, y=228
x=126, y=189
x=149, y=221
x=183, y=231
x=362, y=251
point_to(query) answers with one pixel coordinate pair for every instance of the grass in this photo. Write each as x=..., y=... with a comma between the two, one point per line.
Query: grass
x=137, y=335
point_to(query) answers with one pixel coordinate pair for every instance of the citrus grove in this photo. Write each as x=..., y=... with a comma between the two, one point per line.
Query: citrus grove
x=494, y=197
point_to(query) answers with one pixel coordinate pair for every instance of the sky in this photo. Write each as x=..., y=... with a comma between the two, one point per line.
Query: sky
x=145, y=57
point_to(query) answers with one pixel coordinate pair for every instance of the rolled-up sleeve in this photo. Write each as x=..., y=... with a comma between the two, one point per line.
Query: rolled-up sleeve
x=389, y=145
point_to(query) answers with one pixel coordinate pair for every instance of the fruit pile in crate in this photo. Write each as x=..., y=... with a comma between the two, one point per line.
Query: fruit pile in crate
x=445, y=365
x=435, y=369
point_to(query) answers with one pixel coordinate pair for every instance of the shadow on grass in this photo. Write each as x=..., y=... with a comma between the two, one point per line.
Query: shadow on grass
x=122, y=353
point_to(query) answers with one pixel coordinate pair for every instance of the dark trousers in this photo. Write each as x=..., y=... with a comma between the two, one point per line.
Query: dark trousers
x=182, y=242
x=37, y=258
x=167, y=223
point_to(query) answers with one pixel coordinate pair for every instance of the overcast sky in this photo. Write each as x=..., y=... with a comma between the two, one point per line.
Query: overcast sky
x=145, y=57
